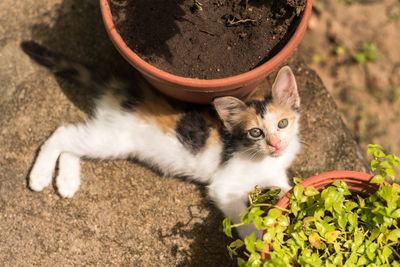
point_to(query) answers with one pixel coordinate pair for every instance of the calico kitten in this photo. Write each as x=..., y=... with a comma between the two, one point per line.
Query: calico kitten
x=231, y=146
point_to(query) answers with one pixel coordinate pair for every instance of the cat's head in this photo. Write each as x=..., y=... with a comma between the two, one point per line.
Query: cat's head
x=263, y=127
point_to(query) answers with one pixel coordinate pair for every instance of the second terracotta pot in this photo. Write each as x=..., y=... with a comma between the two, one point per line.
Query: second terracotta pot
x=358, y=182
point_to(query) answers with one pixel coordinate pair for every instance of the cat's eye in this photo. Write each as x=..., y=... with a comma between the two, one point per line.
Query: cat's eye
x=283, y=123
x=255, y=132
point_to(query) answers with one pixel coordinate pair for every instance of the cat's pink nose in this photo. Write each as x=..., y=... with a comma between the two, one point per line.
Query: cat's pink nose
x=274, y=142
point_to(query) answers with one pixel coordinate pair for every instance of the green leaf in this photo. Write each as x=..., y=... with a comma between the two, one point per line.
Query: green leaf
x=361, y=201
x=342, y=221
x=329, y=196
x=254, y=212
x=394, y=235
x=274, y=213
x=298, y=192
x=362, y=261
x=338, y=260
x=375, y=164
x=353, y=219
x=322, y=228
x=332, y=236
x=294, y=208
x=297, y=180
x=315, y=240
x=371, y=251
x=396, y=162
x=385, y=164
x=260, y=245
x=395, y=214
x=249, y=241
x=379, y=153
x=386, y=252
x=234, y=246
x=350, y=205
x=241, y=262
x=360, y=57
x=372, y=148
x=259, y=223
x=269, y=235
x=227, y=226
x=378, y=179
x=391, y=173
x=283, y=221
x=268, y=221
x=310, y=191
x=358, y=238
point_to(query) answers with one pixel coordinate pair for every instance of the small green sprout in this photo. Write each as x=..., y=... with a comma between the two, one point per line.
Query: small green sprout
x=197, y=5
x=368, y=53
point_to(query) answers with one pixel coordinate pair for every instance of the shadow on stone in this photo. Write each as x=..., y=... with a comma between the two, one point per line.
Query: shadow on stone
x=208, y=242
x=78, y=33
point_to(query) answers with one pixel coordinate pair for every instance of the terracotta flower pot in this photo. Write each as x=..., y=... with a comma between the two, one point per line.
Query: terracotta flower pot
x=358, y=182
x=199, y=90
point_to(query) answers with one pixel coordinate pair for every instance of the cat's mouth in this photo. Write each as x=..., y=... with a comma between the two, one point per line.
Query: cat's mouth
x=275, y=152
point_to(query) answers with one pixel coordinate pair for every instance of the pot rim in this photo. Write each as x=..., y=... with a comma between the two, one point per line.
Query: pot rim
x=149, y=69
x=357, y=182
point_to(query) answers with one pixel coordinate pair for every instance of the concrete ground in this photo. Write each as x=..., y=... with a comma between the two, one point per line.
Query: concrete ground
x=124, y=213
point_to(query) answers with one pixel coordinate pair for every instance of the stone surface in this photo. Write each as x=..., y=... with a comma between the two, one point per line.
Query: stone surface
x=123, y=214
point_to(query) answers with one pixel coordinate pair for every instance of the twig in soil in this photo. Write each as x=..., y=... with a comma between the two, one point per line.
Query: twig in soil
x=235, y=21
x=185, y=19
x=204, y=31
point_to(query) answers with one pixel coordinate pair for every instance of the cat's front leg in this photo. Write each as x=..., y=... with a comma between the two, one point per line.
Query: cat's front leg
x=68, y=179
x=43, y=168
x=96, y=138
x=232, y=203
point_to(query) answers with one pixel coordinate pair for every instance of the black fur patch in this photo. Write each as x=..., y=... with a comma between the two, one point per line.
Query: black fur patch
x=259, y=106
x=229, y=143
x=235, y=141
x=192, y=131
x=132, y=96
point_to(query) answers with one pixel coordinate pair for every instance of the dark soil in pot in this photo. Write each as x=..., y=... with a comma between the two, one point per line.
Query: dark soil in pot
x=225, y=38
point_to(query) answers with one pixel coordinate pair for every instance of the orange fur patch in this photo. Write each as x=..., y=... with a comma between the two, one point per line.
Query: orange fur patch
x=157, y=109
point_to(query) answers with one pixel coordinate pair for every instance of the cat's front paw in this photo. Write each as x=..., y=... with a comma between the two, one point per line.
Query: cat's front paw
x=247, y=230
x=68, y=179
x=66, y=186
x=40, y=177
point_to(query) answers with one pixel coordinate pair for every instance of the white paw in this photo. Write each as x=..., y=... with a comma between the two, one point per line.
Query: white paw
x=67, y=186
x=68, y=179
x=40, y=177
x=247, y=230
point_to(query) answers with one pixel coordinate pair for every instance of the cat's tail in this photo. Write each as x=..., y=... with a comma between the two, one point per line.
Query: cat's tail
x=61, y=66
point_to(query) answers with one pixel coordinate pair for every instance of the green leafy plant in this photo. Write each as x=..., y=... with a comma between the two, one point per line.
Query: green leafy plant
x=331, y=227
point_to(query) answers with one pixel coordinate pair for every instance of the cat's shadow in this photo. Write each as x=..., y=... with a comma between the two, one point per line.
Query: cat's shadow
x=78, y=33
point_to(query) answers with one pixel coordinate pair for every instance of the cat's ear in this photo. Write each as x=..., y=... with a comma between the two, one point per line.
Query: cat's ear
x=230, y=109
x=284, y=89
